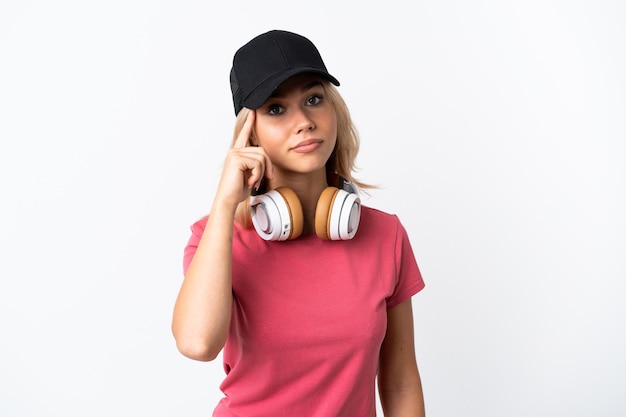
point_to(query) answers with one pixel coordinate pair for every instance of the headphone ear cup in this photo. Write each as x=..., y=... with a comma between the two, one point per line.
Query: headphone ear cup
x=337, y=214
x=277, y=214
x=295, y=211
x=322, y=212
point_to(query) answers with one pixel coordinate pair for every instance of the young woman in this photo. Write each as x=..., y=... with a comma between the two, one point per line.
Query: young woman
x=307, y=292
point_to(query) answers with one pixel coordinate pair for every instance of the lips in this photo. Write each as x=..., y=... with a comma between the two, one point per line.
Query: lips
x=308, y=145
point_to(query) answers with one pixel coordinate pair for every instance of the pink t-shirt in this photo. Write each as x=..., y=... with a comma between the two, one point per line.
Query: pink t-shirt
x=309, y=317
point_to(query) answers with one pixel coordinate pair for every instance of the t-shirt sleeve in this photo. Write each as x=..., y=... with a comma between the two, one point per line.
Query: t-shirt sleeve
x=190, y=250
x=409, y=278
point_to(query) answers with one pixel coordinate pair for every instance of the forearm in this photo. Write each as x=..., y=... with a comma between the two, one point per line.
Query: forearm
x=203, y=308
x=399, y=381
x=407, y=401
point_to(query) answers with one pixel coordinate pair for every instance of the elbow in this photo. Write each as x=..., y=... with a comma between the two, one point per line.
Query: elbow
x=200, y=342
x=199, y=351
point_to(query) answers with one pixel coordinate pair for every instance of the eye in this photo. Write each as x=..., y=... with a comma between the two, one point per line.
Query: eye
x=314, y=99
x=274, y=109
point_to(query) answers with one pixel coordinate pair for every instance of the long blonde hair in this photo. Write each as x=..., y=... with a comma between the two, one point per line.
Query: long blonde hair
x=342, y=161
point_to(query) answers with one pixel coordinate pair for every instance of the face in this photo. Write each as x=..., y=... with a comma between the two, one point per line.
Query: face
x=297, y=126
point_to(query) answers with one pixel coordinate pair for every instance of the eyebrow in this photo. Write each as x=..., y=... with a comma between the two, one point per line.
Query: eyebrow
x=306, y=87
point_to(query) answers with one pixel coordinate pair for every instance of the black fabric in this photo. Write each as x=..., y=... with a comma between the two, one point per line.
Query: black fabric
x=261, y=65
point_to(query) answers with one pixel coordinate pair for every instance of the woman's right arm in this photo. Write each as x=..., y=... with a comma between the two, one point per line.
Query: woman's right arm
x=203, y=307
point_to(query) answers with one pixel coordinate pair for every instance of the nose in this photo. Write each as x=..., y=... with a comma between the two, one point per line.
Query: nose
x=302, y=120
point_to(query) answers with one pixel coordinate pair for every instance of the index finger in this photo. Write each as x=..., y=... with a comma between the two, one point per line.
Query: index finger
x=244, y=135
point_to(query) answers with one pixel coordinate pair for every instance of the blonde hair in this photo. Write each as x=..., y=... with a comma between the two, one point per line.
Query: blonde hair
x=342, y=161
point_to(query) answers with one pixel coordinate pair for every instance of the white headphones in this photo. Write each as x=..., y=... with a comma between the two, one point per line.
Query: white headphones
x=277, y=214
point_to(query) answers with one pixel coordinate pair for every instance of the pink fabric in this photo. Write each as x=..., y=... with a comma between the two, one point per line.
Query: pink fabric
x=309, y=318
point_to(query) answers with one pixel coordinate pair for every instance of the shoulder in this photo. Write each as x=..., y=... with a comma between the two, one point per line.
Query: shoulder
x=379, y=226
x=199, y=225
x=372, y=217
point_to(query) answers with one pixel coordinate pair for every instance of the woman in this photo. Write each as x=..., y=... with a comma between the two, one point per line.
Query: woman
x=307, y=293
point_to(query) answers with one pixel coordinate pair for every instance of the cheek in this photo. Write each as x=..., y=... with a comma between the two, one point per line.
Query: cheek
x=270, y=140
x=332, y=128
x=268, y=134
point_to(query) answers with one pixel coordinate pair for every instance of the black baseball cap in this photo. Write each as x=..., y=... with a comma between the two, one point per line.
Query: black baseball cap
x=261, y=65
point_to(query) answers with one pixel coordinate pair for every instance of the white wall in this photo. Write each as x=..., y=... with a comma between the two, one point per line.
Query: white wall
x=496, y=128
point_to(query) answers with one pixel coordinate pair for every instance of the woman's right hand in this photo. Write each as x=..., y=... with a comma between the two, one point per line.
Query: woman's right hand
x=244, y=168
x=202, y=312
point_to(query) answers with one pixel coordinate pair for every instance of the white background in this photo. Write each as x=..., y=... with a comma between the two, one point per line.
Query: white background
x=496, y=130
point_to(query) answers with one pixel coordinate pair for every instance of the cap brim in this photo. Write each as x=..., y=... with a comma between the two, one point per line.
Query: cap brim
x=261, y=93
